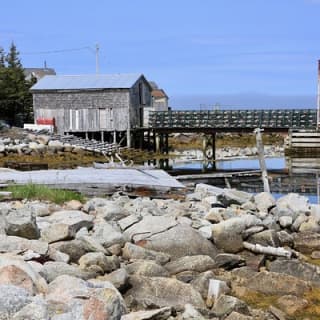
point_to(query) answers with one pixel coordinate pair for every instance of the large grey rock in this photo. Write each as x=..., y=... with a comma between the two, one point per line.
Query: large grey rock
x=22, y=223
x=207, y=190
x=12, y=299
x=264, y=201
x=74, y=219
x=2, y=225
x=65, y=287
x=36, y=310
x=180, y=241
x=265, y=238
x=293, y=203
x=285, y=239
x=162, y=292
x=149, y=226
x=274, y=283
x=132, y=251
x=119, y=278
x=92, y=244
x=233, y=196
x=199, y=263
x=306, y=242
x=86, y=300
x=12, y=243
x=41, y=209
x=147, y=268
x=52, y=270
x=15, y=271
x=75, y=249
x=128, y=221
x=298, y=269
x=227, y=235
x=310, y=225
x=227, y=304
x=112, y=211
x=57, y=232
x=107, y=236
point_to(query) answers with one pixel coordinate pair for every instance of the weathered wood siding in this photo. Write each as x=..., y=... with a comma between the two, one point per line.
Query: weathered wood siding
x=140, y=98
x=81, y=111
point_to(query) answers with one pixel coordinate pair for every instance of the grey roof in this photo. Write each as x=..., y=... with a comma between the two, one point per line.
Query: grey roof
x=94, y=81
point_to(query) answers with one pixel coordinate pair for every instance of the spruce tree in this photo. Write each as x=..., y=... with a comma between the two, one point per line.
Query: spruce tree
x=15, y=97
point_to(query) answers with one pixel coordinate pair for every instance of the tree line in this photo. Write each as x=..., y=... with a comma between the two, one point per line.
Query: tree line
x=15, y=97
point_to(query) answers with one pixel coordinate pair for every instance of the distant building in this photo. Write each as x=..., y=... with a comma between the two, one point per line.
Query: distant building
x=38, y=73
x=160, y=101
x=93, y=105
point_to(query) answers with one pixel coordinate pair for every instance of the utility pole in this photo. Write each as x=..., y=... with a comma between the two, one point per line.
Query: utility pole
x=318, y=98
x=97, y=58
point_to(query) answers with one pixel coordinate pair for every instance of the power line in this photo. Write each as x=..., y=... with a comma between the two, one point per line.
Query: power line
x=59, y=51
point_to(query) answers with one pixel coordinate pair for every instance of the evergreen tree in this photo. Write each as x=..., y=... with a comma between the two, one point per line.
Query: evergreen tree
x=15, y=97
x=2, y=81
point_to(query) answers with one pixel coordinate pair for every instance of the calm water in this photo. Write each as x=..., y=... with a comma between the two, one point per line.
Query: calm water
x=236, y=164
x=304, y=184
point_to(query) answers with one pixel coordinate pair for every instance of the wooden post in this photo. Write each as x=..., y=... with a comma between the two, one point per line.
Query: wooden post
x=214, y=150
x=154, y=138
x=262, y=162
x=141, y=140
x=148, y=140
x=114, y=137
x=166, y=143
x=204, y=146
x=157, y=138
x=128, y=138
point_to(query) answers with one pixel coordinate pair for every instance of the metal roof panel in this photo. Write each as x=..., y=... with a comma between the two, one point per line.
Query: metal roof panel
x=95, y=81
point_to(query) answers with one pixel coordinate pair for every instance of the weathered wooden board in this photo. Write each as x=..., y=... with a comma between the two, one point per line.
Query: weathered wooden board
x=91, y=176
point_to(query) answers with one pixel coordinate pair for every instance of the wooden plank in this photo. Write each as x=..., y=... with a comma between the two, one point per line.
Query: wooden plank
x=305, y=165
x=305, y=134
x=300, y=140
x=306, y=145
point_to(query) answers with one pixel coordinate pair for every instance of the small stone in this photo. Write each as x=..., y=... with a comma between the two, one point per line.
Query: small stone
x=224, y=305
x=285, y=221
x=291, y=304
x=315, y=255
x=106, y=263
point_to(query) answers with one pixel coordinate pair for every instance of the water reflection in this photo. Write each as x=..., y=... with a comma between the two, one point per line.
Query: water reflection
x=286, y=175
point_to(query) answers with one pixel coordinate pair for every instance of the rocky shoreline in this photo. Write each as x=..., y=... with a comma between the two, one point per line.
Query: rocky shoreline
x=226, y=153
x=219, y=254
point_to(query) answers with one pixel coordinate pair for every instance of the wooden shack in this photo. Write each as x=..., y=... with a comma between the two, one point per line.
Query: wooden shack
x=106, y=106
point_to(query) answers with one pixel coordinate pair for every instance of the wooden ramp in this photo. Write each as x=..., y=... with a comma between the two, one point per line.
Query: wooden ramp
x=303, y=142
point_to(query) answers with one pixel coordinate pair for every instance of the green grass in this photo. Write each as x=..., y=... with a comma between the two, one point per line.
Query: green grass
x=40, y=192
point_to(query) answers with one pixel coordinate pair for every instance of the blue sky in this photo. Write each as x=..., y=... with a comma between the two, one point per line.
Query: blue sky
x=251, y=53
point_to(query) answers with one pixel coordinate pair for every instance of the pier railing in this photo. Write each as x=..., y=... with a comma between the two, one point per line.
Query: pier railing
x=235, y=119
